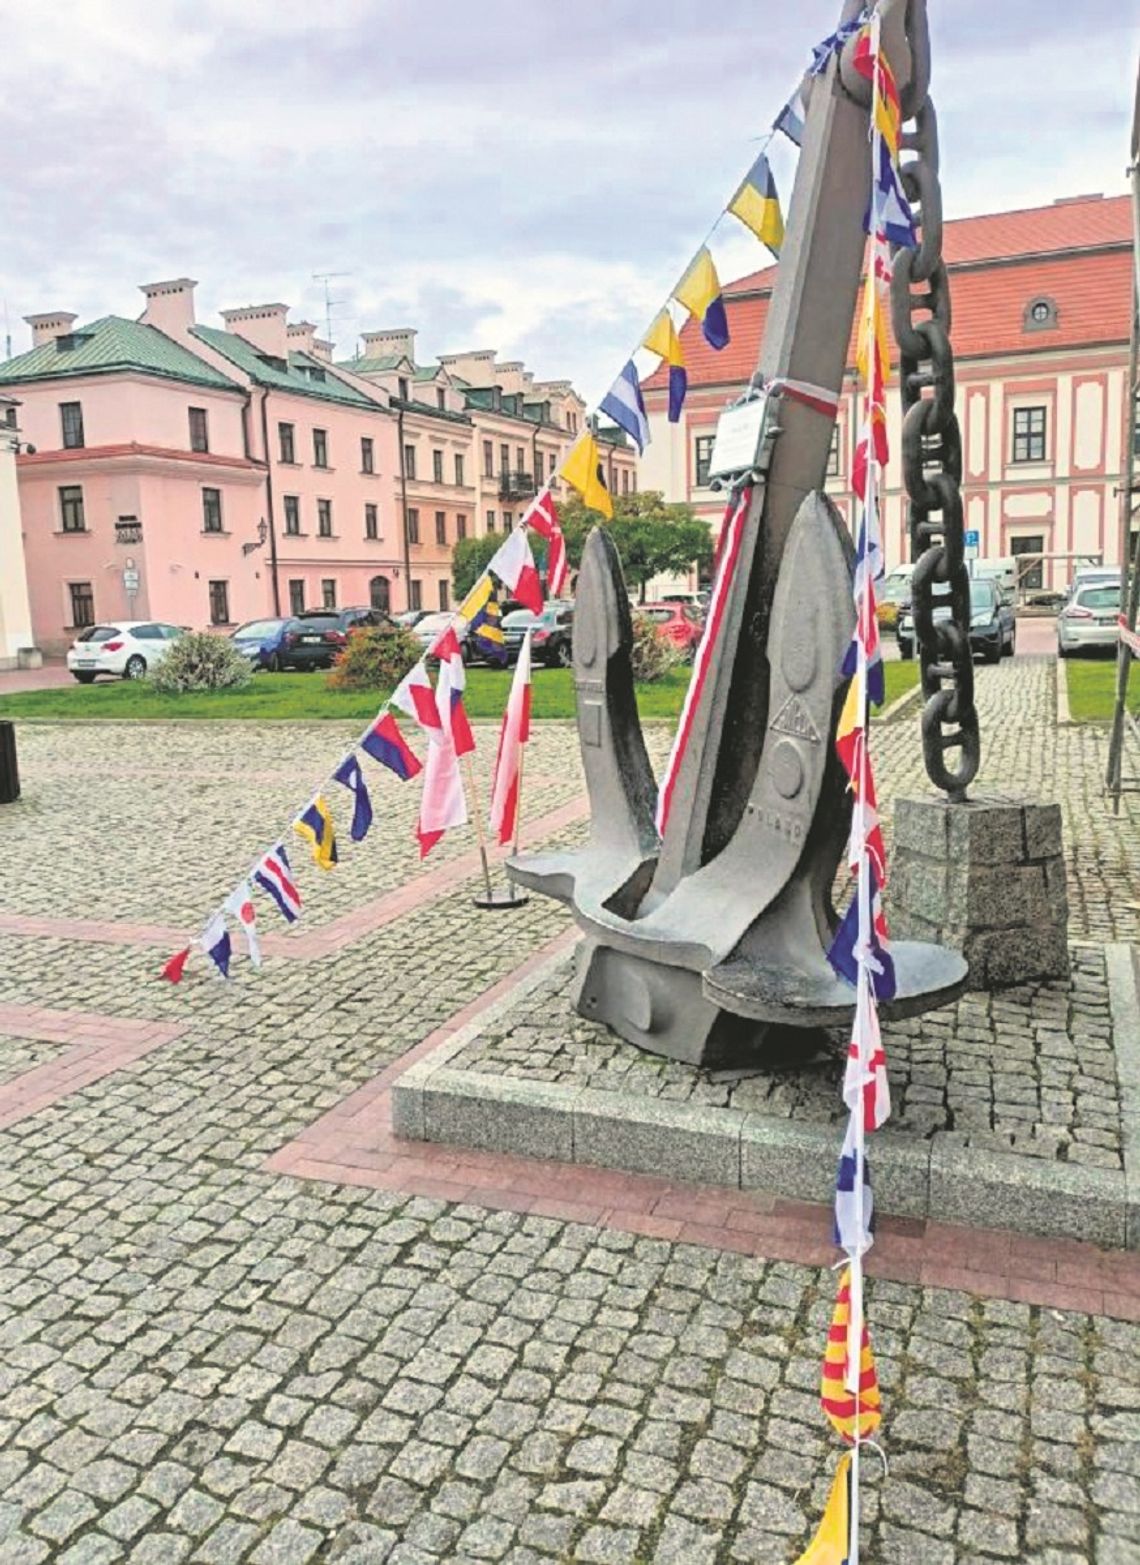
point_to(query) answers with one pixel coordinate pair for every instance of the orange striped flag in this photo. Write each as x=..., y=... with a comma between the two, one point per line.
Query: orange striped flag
x=837, y=1401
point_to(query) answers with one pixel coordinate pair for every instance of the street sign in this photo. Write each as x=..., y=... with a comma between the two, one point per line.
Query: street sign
x=130, y=582
x=972, y=539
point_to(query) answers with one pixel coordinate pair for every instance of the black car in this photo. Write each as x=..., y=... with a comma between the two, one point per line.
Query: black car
x=553, y=633
x=315, y=636
x=993, y=623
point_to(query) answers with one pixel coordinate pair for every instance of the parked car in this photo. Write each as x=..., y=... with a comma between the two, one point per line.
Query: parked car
x=553, y=633
x=262, y=641
x=410, y=618
x=1092, y=576
x=429, y=626
x=894, y=593
x=315, y=636
x=993, y=623
x=1089, y=619
x=681, y=622
x=126, y=649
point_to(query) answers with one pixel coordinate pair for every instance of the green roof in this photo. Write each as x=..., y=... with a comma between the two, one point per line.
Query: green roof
x=291, y=374
x=111, y=344
x=426, y=371
x=378, y=364
x=412, y=406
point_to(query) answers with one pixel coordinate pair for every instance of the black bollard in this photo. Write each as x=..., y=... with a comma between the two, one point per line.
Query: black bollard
x=9, y=768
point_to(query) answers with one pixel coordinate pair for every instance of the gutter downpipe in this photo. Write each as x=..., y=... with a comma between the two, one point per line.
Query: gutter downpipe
x=269, y=504
x=404, y=511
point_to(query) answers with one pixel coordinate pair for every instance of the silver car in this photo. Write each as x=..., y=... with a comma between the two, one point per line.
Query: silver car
x=1089, y=619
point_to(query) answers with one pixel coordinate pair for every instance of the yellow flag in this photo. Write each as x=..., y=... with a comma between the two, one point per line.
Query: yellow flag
x=583, y=469
x=662, y=339
x=829, y=1546
x=699, y=292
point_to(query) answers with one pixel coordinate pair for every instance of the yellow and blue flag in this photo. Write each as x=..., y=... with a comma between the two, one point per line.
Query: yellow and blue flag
x=583, y=470
x=315, y=824
x=662, y=339
x=699, y=292
x=757, y=205
x=484, y=616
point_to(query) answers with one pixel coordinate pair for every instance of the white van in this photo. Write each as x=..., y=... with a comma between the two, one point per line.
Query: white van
x=1001, y=571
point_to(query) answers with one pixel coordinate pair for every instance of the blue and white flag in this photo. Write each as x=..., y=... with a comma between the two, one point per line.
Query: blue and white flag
x=216, y=944
x=624, y=403
x=853, y=947
x=891, y=213
x=790, y=120
x=350, y=775
x=854, y=1221
x=822, y=51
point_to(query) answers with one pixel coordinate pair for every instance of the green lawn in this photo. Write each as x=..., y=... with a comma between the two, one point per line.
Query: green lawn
x=304, y=697
x=1092, y=689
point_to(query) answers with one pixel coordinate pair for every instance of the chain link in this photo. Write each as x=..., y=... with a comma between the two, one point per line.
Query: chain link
x=932, y=449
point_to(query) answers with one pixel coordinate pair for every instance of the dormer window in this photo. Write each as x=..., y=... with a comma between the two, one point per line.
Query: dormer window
x=274, y=362
x=71, y=340
x=1040, y=314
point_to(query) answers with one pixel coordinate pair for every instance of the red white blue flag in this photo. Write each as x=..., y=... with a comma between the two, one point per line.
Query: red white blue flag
x=275, y=877
x=450, y=685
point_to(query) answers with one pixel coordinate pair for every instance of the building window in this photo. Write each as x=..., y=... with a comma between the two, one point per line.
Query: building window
x=415, y=595
x=460, y=525
x=367, y=455
x=459, y=469
x=833, y=453
x=71, y=424
x=508, y=521
x=441, y=527
x=328, y=593
x=199, y=430
x=71, y=509
x=371, y=521
x=211, y=510
x=444, y=596
x=402, y=383
x=504, y=461
x=380, y=593
x=219, y=603
x=320, y=448
x=296, y=597
x=286, y=442
x=440, y=399
x=412, y=524
x=1029, y=577
x=409, y=461
x=520, y=460
x=625, y=480
x=82, y=604
x=539, y=461
x=1029, y=434
x=292, y=516
x=703, y=447
x=488, y=459
x=1040, y=314
x=324, y=519
x=490, y=521
x=437, y=466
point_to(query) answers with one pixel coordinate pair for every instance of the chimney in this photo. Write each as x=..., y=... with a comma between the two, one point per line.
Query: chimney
x=46, y=328
x=322, y=349
x=169, y=305
x=302, y=336
x=378, y=344
x=263, y=325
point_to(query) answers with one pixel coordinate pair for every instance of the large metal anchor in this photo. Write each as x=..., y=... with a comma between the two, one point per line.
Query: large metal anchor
x=700, y=943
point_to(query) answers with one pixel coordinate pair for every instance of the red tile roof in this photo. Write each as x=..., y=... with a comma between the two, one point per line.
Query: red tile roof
x=998, y=263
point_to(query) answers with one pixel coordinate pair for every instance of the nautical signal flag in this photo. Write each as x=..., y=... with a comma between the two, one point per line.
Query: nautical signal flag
x=484, y=616
x=624, y=403
x=415, y=696
x=543, y=519
x=757, y=205
x=173, y=969
x=791, y=118
x=275, y=877
x=583, y=469
x=854, y=1201
x=662, y=339
x=385, y=743
x=866, y=1085
x=893, y=216
x=848, y=952
x=699, y=292
x=513, y=564
x=442, y=804
x=832, y=1538
x=350, y=775
x=513, y=734
x=239, y=904
x=853, y=1424
x=216, y=944
x=315, y=824
x=450, y=685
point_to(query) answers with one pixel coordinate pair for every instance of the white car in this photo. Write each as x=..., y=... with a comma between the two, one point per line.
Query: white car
x=127, y=649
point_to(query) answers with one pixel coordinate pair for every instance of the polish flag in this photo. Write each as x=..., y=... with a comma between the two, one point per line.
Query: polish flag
x=512, y=736
x=415, y=696
x=442, y=804
x=543, y=517
x=450, y=684
x=514, y=566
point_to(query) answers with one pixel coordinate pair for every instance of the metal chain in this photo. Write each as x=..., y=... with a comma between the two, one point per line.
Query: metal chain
x=932, y=448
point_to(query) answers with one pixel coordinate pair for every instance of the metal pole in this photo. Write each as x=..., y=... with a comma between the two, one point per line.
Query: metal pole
x=478, y=818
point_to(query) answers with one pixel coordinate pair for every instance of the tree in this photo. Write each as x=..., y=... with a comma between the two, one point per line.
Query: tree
x=469, y=559
x=652, y=538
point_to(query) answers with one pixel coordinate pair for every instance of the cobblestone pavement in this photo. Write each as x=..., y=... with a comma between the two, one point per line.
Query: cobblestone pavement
x=203, y=1361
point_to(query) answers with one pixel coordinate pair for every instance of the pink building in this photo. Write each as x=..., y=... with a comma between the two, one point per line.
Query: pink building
x=199, y=476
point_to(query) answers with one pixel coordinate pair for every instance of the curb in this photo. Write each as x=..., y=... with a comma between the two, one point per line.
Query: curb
x=1064, y=717
x=901, y=704
x=939, y=1179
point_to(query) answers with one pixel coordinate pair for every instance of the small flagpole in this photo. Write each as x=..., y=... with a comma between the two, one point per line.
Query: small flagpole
x=476, y=811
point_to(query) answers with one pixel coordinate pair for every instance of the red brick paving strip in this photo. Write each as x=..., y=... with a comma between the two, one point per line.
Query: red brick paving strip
x=353, y=1145
x=96, y=1045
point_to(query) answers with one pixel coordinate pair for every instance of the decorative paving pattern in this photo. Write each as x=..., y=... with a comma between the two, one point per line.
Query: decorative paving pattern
x=19, y=1055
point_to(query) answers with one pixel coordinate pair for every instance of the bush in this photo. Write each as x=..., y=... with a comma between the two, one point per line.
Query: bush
x=654, y=655
x=200, y=661
x=376, y=657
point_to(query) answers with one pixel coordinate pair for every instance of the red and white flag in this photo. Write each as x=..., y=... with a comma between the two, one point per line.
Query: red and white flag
x=449, y=688
x=543, y=517
x=415, y=696
x=514, y=565
x=240, y=904
x=508, y=762
x=442, y=804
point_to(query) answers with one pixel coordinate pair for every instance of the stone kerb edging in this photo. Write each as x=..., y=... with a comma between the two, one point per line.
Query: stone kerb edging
x=1064, y=717
x=935, y=1178
x=901, y=705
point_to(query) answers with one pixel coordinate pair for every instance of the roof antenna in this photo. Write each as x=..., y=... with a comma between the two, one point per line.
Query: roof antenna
x=326, y=278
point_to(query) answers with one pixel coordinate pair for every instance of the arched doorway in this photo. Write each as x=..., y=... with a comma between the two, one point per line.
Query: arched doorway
x=380, y=589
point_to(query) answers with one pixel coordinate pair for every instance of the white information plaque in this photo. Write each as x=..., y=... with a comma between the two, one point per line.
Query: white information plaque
x=739, y=435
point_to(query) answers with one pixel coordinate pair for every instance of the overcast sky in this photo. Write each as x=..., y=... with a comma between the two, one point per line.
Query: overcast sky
x=530, y=178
